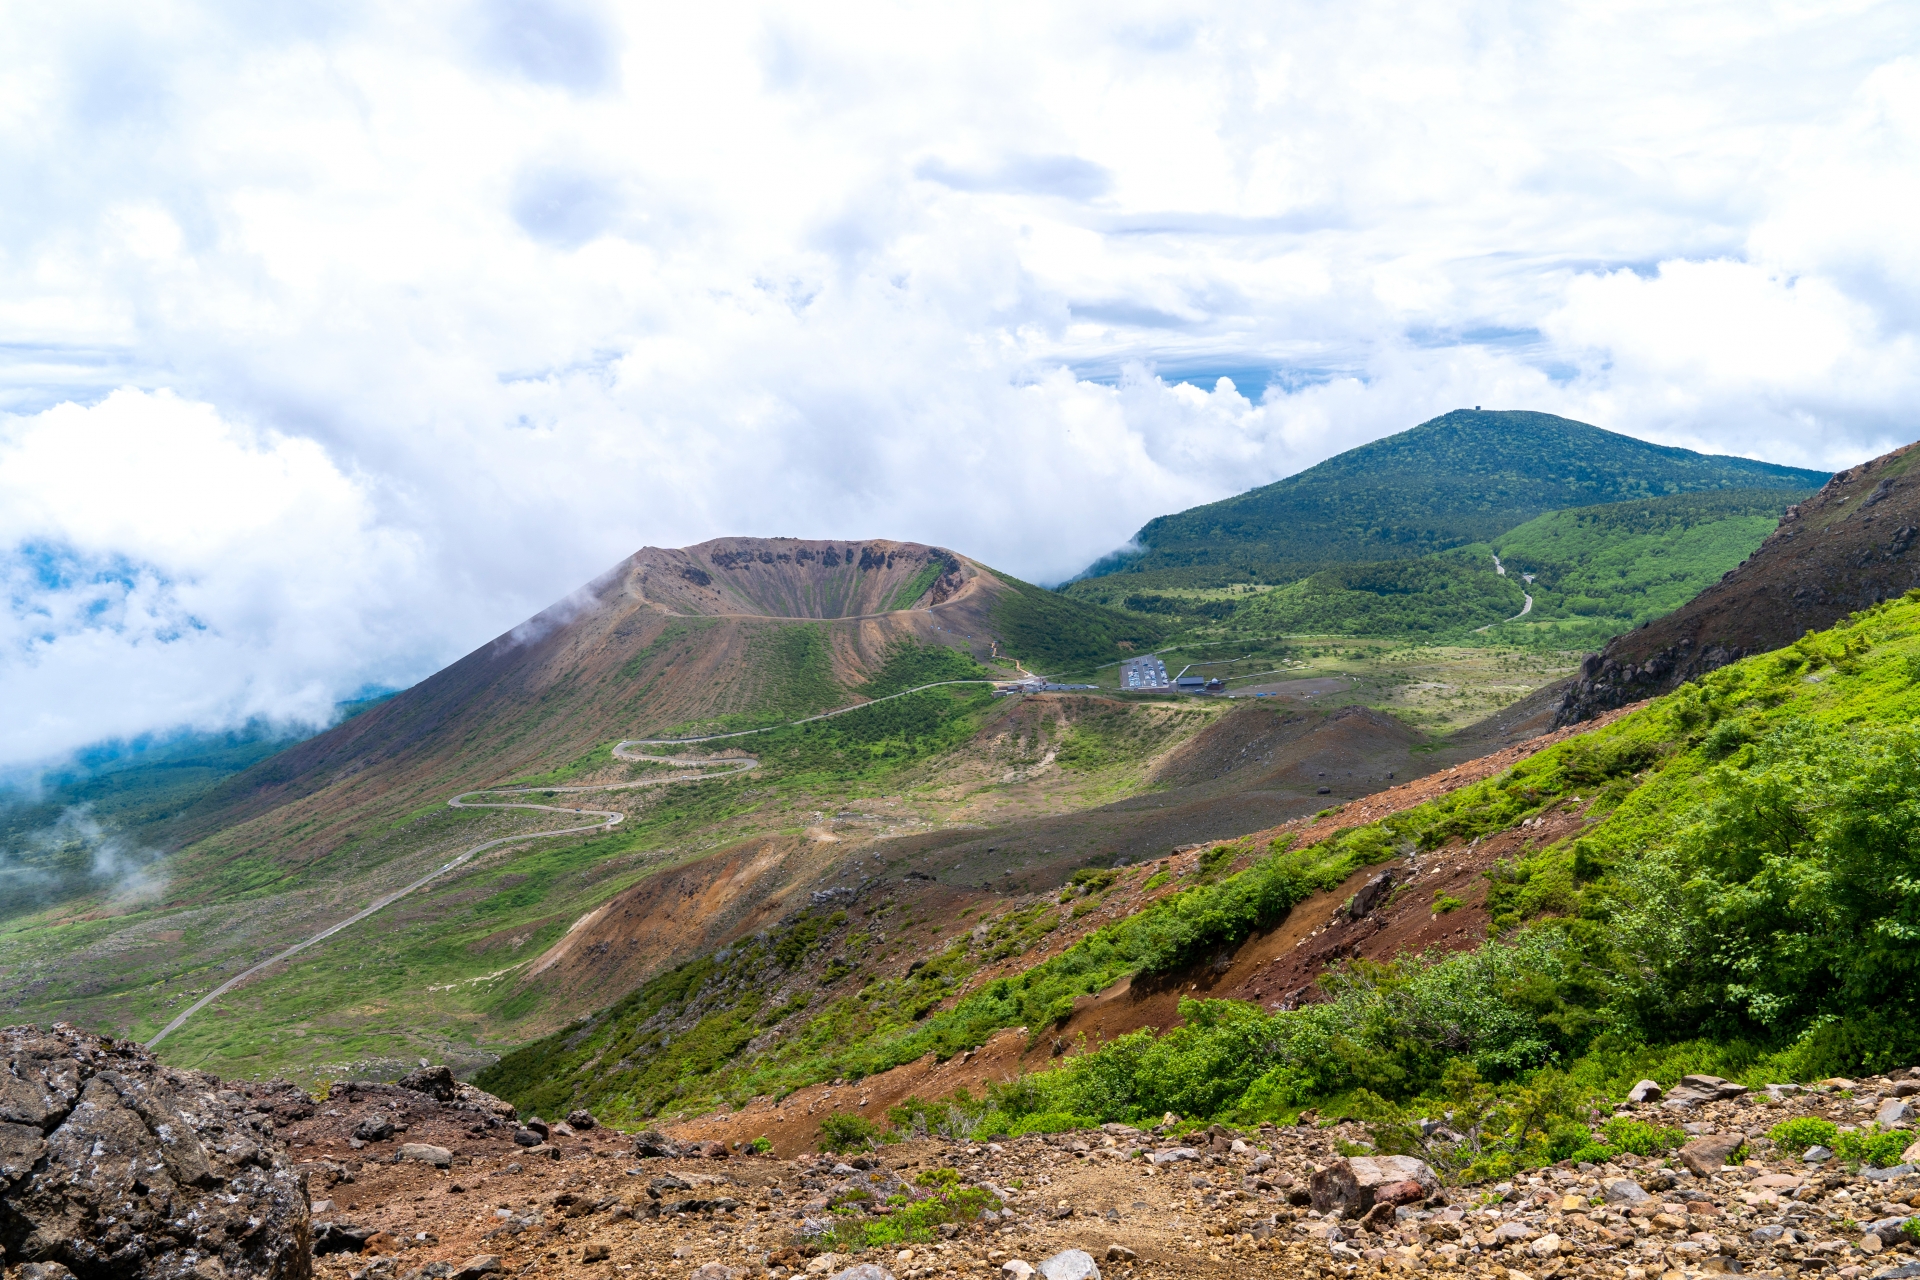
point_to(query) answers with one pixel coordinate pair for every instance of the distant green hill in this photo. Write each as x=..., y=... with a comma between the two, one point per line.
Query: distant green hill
x=1597, y=571
x=1618, y=565
x=1464, y=477
x=1431, y=598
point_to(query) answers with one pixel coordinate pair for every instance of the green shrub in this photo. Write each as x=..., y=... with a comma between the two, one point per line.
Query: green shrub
x=1443, y=903
x=1796, y=1135
x=843, y=1133
x=1154, y=881
x=1641, y=1138
x=760, y=1145
x=1871, y=1145
x=1050, y=1122
x=916, y=1221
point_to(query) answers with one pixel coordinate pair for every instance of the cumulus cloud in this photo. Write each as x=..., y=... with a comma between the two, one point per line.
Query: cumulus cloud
x=334, y=342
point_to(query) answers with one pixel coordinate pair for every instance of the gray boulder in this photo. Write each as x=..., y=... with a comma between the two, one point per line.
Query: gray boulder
x=425, y=1153
x=1170, y=1157
x=112, y=1165
x=436, y=1082
x=864, y=1271
x=1893, y=1113
x=1645, y=1091
x=1623, y=1191
x=374, y=1128
x=1709, y=1154
x=1069, y=1264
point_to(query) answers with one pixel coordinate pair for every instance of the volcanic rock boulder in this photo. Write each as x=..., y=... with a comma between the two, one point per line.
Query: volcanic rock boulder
x=119, y=1168
x=1351, y=1187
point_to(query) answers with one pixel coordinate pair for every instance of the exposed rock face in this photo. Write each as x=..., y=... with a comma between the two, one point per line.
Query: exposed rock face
x=1847, y=547
x=121, y=1169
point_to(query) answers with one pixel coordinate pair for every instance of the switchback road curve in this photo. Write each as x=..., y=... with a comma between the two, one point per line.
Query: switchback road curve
x=701, y=770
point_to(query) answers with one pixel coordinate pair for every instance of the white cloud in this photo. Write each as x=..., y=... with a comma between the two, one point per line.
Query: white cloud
x=339, y=340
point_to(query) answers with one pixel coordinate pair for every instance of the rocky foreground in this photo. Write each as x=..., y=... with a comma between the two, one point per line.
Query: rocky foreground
x=115, y=1166
x=1129, y=1203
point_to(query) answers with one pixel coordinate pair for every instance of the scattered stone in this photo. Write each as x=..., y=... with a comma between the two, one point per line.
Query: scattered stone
x=581, y=1119
x=1817, y=1154
x=1547, y=1246
x=716, y=1271
x=862, y=1271
x=1120, y=1253
x=652, y=1142
x=426, y=1153
x=1015, y=1269
x=1623, y=1191
x=1169, y=1157
x=1709, y=1154
x=436, y=1082
x=481, y=1264
x=1381, y=1218
x=374, y=1128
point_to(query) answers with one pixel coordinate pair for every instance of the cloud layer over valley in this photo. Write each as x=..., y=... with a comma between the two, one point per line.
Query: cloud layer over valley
x=334, y=341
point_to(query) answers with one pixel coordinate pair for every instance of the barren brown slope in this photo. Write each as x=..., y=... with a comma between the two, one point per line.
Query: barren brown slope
x=1847, y=547
x=644, y=646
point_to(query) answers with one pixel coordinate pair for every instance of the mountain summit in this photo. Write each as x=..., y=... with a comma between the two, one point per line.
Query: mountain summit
x=1463, y=477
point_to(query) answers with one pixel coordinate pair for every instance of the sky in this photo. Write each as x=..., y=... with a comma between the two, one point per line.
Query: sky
x=337, y=339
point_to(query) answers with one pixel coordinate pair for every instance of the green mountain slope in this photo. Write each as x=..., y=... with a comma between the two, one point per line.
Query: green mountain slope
x=1618, y=565
x=1463, y=477
x=1596, y=571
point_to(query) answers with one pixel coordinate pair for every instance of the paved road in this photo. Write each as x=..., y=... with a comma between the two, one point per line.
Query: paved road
x=608, y=819
x=1525, y=609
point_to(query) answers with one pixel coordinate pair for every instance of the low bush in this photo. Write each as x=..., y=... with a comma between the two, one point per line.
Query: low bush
x=1796, y=1135
x=906, y=1220
x=844, y=1133
x=1871, y=1145
x=1639, y=1138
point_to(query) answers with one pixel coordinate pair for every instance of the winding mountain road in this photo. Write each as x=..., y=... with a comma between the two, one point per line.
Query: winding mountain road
x=1526, y=595
x=700, y=771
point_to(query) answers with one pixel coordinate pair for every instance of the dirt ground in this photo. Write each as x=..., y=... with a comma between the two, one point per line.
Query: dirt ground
x=1144, y=1205
x=584, y=1208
